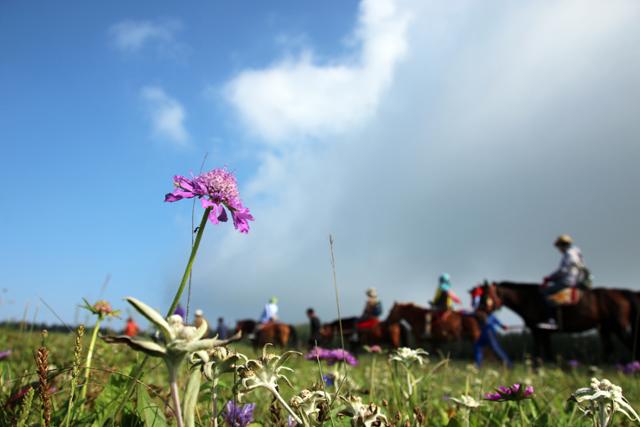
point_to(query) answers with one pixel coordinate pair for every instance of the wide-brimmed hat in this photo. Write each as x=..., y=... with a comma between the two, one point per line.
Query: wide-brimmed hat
x=372, y=293
x=564, y=240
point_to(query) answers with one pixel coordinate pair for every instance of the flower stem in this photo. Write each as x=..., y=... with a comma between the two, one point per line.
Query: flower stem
x=87, y=367
x=187, y=270
x=286, y=406
x=176, y=401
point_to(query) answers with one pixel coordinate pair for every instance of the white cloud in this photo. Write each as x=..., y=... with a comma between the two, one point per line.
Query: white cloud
x=167, y=115
x=299, y=97
x=504, y=126
x=132, y=36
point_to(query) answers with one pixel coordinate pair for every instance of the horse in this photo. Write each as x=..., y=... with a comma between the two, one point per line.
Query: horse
x=440, y=326
x=329, y=331
x=384, y=333
x=273, y=332
x=611, y=311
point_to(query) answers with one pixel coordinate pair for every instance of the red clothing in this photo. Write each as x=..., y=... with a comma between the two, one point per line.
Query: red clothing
x=132, y=329
x=368, y=324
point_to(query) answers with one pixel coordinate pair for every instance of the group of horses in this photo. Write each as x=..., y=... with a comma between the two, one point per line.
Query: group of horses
x=613, y=312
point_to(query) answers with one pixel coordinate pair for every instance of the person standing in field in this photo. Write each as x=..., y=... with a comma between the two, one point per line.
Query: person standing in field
x=314, y=328
x=131, y=329
x=488, y=338
x=222, y=331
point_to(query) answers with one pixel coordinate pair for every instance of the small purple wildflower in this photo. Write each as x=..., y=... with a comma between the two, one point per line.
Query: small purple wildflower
x=630, y=368
x=328, y=380
x=238, y=415
x=216, y=189
x=573, y=364
x=5, y=354
x=291, y=422
x=515, y=392
x=332, y=356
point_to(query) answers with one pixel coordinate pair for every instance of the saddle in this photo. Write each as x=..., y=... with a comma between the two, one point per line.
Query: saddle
x=568, y=296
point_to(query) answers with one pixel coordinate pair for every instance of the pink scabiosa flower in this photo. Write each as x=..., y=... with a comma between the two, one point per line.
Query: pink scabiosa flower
x=515, y=392
x=218, y=190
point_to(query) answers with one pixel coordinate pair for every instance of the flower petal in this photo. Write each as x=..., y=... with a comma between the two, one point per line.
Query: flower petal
x=148, y=347
x=154, y=317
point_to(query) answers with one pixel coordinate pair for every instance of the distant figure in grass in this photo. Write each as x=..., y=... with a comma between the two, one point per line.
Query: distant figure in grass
x=372, y=311
x=222, y=330
x=571, y=274
x=180, y=311
x=131, y=329
x=314, y=328
x=488, y=324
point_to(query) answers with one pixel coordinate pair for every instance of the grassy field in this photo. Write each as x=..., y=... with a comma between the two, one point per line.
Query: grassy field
x=423, y=395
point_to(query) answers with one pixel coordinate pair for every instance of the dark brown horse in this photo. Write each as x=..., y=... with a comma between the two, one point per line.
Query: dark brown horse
x=330, y=331
x=384, y=333
x=435, y=326
x=611, y=311
x=273, y=332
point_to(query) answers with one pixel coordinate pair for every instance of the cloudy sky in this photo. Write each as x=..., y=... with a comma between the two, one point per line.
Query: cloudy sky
x=424, y=136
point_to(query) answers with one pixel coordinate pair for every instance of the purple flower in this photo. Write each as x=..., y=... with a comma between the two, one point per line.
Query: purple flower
x=328, y=379
x=630, y=368
x=216, y=189
x=573, y=363
x=5, y=354
x=332, y=356
x=515, y=392
x=238, y=415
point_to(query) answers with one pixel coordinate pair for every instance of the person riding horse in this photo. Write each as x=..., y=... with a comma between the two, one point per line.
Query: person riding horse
x=372, y=311
x=571, y=273
x=444, y=298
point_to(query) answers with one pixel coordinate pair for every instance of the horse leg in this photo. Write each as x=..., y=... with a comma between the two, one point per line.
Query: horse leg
x=606, y=341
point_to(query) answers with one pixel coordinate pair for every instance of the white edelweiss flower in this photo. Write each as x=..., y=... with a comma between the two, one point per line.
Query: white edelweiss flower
x=179, y=340
x=409, y=356
x=602, y=400
x=466, y=401
x=363, y=415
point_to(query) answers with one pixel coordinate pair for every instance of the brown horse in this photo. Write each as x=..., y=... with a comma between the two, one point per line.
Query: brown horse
x=273, y=332
x=611, y=311
x=435, y=326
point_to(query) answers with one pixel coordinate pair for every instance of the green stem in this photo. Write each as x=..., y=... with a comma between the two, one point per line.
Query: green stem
x=372, y=377
x=87, y=368
x=174, y=304
x=284, y=404
x=187, y=270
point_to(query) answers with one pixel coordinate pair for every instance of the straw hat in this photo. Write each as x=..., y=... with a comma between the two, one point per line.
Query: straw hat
x=371, y=293
x=564, y=240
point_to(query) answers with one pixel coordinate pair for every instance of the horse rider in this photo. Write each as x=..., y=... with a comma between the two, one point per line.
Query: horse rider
x=372, y=311
x=444, y=297
x=269, y=313
x=571, y=273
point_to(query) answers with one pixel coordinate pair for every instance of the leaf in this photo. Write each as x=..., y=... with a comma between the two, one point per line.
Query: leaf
x=154, y=317
x=151, y=414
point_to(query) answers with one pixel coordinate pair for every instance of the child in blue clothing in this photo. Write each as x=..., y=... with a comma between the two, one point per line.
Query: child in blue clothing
x=488, y=337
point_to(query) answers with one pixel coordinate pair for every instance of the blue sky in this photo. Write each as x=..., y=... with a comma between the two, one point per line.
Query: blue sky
x=425, y=136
